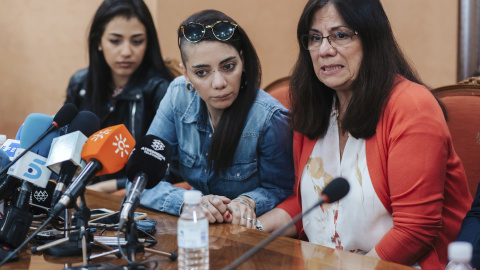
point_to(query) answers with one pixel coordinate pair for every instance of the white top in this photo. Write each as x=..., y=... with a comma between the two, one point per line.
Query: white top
x=358, y=221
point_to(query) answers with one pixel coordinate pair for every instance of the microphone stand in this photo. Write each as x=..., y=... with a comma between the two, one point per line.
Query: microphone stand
x=75, y=243
x=133, y=246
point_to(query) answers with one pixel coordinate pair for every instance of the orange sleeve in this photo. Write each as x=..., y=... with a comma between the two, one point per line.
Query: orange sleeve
x=417, y=149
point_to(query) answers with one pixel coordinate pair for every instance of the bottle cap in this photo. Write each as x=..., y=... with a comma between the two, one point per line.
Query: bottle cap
x=192, y=196
x=3, y=139
x=460, y=251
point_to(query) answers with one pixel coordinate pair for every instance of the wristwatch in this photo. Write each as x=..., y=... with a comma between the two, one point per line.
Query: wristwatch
x=259, y=226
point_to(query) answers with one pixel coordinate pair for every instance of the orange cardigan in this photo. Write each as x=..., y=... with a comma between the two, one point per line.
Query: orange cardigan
x=416, y=174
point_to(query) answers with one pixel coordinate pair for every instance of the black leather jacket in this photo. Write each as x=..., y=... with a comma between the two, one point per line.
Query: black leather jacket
x=135, y=106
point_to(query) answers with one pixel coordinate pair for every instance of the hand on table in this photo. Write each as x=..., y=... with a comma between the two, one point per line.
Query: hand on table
x=242, y=211
x=215, y=207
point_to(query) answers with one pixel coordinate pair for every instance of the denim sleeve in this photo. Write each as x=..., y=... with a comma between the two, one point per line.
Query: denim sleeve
x=163, y=197
x=275, y=164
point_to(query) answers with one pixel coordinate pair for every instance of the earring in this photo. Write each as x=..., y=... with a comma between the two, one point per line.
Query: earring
x=190, y=87
x=100, y=48
x=243, y=81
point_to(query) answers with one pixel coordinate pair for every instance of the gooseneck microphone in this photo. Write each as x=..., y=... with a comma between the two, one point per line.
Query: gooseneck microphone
x=63, y=117
x=31, y=169
x=106, y=152
x=65, y=155
x=146, y=166
x=334, y=191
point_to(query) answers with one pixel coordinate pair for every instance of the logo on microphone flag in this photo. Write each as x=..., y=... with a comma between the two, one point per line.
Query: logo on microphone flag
x=158, y=145
x=31, y=167
x=111, y=146
x=11, y=147
x=40, y=195
x=121, y=145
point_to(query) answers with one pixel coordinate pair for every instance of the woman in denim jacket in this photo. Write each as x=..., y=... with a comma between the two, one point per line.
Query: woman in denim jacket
x=230, y=140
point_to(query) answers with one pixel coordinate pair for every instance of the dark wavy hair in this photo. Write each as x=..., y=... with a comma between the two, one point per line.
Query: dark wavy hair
x=231, y=123
x=382, y=61
x=99, y=74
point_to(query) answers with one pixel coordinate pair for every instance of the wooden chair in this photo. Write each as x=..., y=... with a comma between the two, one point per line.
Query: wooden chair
x=462, y=101
x=173, y=66
x=279, y=90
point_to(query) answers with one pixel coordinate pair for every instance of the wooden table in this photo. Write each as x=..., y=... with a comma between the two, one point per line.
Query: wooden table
x=227, y=242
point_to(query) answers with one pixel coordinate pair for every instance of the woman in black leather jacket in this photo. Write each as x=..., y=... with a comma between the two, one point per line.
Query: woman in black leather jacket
x=126, y=77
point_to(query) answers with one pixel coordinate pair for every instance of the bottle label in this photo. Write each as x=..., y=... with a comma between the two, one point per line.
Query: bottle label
x=192, y=234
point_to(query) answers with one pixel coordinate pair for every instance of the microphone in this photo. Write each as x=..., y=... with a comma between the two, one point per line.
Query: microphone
x=65, y=158
x=31, y=168
x=106, y=152
x=334, y=191
x=4, y=160
x=11, y=147
x=146, y=166
x=7, y=184
x=63, y=117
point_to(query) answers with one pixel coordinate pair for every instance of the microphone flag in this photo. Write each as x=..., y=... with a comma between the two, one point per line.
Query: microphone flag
x=111, y=146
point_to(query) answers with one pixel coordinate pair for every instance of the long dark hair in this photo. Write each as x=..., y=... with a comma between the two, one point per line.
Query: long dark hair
x=99, y=73
x=382, y=62
x=231, y=123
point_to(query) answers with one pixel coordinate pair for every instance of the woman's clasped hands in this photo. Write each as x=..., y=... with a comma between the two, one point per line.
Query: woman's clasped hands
x=239, y=211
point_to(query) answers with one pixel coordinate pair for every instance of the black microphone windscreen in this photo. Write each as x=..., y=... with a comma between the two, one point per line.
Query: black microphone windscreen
x=66, y=114
x=86, y=122
x=336, y=189
x=151, y=156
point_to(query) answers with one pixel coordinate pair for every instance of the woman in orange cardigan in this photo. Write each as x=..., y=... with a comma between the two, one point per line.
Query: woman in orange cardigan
x=359, y=111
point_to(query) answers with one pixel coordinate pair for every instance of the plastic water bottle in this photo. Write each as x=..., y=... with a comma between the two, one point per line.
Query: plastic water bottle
x=459, y=254
x=192, y=233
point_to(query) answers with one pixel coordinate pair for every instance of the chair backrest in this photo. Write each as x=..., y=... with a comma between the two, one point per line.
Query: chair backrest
x=279, y=90
x=174, y=66
x=462, y=101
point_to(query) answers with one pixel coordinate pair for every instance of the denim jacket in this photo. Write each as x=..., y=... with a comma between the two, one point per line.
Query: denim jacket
x=262, y=167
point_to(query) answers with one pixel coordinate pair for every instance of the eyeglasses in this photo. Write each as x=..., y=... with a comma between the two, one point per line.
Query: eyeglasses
x=194, y=32
x=336, y=39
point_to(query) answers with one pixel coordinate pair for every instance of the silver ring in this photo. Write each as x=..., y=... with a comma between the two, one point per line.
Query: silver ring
x=249, y=218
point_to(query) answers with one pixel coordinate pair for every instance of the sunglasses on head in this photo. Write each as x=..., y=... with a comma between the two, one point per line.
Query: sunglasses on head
x=194, y=32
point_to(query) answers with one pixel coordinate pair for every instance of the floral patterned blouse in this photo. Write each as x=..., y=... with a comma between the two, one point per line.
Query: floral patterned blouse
x=357, y=222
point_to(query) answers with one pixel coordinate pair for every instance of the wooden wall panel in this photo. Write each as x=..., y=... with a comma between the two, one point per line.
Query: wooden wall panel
x=44, y=42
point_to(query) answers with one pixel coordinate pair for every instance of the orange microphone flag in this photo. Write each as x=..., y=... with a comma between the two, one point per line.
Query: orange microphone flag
x=111, y=146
